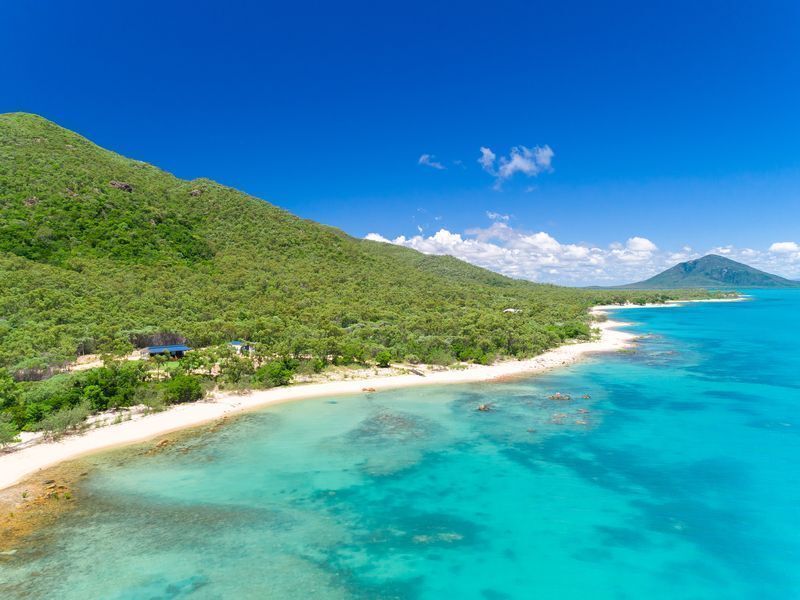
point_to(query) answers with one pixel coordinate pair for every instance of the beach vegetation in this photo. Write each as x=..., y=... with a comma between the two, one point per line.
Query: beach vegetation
x=275, y=373
x=61, y=421
x=150, y=396
x=235, y=368
x=383, y=358
x=183, y=388
x=8, y=431
x=311, y=366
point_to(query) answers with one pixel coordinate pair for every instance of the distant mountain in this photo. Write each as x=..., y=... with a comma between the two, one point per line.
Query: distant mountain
x=712, y=271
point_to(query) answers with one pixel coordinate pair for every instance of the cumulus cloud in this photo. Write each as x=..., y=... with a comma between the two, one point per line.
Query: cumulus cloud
x=533, y=255
x=495, y=216
x=377, y=237
x=539, y=256
x=784, y=247
x=640, y=244
x=786, y=252
x=635, y=250
x=429, y=161
x=521, y=159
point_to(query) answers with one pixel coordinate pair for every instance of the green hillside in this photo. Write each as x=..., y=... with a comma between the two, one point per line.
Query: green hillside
x=100, y=253
x=714, y=272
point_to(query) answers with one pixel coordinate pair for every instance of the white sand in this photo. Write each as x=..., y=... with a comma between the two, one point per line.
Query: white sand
x=670, y=304
x=27, y=459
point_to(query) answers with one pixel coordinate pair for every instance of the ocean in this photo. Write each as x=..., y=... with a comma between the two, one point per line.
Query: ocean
x=670, y=472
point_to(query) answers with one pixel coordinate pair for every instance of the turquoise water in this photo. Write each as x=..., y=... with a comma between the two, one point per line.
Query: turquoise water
x=678, y=478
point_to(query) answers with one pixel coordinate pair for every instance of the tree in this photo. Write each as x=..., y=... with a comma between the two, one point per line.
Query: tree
x=234, y=368
x=9, y=390
x=160, y=360
x=383, y=358
x=182, y=388
x=273, y=374
x=93, y=394
x=8, y=433
x=193, y=361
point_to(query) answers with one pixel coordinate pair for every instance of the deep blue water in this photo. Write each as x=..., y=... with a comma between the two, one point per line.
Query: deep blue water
x=678, y=478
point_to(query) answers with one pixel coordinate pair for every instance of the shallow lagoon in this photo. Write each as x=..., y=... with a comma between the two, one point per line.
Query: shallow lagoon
x=677, y=479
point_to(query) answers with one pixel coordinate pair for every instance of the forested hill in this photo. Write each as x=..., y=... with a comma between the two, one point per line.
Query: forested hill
x=713, y=271
x=100, y=253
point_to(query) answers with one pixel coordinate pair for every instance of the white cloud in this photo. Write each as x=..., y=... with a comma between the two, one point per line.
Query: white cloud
x=377, y=237
x=635, y=250
x=784, y=247
x=487, y=160
x=428, y=160
x=544, y=157
x=521, y=159
x=495, y=216
x=539, y=256
x=640, y=244
x=786, y=252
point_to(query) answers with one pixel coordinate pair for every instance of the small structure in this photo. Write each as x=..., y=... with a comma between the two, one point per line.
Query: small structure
x=173, y=350
x=240, y=346
x=511, y=310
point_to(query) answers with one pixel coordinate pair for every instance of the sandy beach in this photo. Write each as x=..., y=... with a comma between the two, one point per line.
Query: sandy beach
x=602, y=308
x=22, y=462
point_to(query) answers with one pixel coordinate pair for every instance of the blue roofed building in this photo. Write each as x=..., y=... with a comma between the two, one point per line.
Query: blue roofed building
x=240, y=346
x=173, y=350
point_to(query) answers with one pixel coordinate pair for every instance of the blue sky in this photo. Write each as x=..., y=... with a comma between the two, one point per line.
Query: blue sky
x=673, y=122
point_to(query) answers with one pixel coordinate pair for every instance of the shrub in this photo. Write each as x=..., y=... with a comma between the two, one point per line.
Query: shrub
x=235, y=368
x=311, y=366
x=50, y=396
x=8, y=433
x=273, y=374
x=61, y=421
x=440, y=357
x=9, y=390
x=353, y=351
x=152, y=396
x=182, y=388
x=383, y=358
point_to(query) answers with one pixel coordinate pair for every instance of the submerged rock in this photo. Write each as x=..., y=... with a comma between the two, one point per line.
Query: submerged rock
x=444, y=537
x=391, y=425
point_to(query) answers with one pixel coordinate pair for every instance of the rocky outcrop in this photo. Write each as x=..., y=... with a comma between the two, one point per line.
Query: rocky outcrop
x=121, y=185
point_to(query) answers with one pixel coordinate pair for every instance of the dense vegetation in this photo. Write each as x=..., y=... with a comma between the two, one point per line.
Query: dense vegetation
x=714, y=272
x=101, y=254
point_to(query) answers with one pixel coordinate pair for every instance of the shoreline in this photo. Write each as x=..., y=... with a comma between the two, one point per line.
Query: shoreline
x=601, y=308
x=18, y=465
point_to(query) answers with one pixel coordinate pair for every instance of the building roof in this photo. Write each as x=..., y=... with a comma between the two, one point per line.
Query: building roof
x=168, y=348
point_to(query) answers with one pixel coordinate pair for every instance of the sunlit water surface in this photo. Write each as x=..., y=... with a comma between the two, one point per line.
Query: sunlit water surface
x=678, y=478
